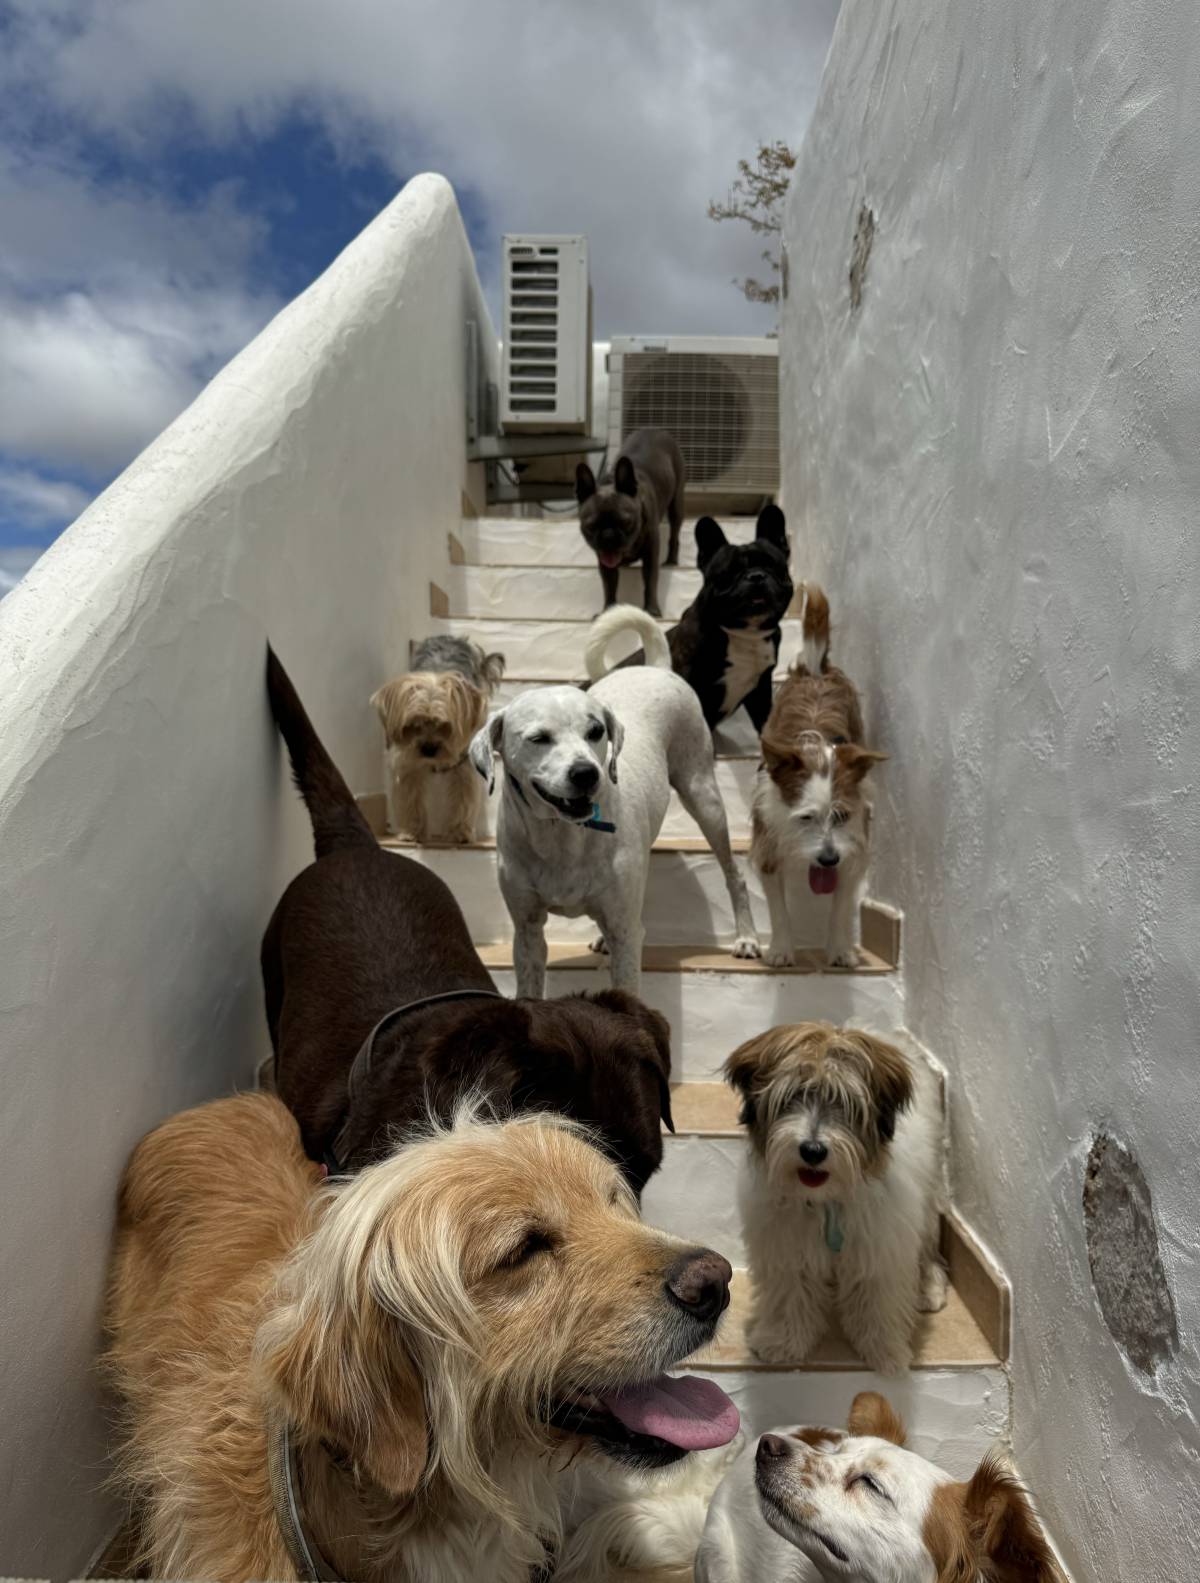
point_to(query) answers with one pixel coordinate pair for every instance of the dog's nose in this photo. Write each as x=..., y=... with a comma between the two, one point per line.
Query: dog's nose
x=584, y=776
x=757, y=576
x=828, y=859
x=813, y=1153
x=772, y=1448
x=429, y=750
x=699, y=1282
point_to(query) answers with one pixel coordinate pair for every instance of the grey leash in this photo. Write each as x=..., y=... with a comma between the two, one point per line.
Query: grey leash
x=306, y=1557
x=361, y=1065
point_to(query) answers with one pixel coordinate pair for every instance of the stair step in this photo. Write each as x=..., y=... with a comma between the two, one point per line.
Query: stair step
x=686, y=900
x=713, y=1000
x=552, y=648
x=950, y=1339
x=557, y=541
x=571, y=592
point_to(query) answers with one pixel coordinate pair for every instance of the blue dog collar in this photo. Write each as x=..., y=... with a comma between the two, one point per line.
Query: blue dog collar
x=596, y=823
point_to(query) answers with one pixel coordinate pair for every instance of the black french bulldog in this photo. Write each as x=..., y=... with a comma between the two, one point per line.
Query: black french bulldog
x=620, y=520
x=727, y=641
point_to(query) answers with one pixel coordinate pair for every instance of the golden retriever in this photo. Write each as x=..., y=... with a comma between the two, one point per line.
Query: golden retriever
x=441, y=1334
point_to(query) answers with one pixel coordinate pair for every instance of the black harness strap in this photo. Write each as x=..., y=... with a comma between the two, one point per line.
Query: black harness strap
x=361, y=1064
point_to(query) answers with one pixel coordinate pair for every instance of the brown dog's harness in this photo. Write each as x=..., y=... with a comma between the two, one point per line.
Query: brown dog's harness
x=361, y=1064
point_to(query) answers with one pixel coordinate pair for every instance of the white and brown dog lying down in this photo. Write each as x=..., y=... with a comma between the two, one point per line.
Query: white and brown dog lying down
x=393, y=1371
x=587, y=778
x=429, y=716
x=812, y=1505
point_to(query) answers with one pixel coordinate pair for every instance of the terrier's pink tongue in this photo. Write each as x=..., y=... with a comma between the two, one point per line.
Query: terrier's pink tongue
x=690, y=1413
x=609, y=558
x=822, y=880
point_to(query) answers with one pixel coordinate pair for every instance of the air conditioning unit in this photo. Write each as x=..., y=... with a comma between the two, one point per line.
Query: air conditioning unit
x=718, y=395
x=546, y=374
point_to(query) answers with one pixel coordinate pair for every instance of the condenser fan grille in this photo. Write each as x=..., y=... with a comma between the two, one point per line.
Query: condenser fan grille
x=723, y=410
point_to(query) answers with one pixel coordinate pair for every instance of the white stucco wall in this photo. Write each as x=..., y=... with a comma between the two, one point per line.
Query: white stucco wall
x=992, y=466
x=146, y=825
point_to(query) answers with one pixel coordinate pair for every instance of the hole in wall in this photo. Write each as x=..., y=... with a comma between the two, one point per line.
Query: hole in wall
x=1122, y=1242
x=860, y=252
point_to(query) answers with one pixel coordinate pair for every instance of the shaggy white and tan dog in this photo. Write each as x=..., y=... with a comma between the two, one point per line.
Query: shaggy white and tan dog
x=841, y=1194
x=394, y=1370
x=812, y=1505
x=428, y=717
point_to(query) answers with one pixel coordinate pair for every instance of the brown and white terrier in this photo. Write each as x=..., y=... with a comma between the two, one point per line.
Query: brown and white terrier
x=811, y=809
x=429, y=717
x=813, y=1505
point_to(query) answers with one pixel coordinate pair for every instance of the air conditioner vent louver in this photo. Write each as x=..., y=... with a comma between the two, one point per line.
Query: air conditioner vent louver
x=546, y=334
x=718, y=396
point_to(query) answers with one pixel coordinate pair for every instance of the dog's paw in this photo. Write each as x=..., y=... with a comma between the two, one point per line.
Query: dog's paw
x=672, y=560
x=934, y=1284
x=653, y=610
x=598, y=946
x=883, y=1360
x=779, y=956
x=844, y=957
x=771, y=1346
x=746, y=946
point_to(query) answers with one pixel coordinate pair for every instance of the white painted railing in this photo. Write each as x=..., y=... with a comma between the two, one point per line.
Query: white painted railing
x=145, y=824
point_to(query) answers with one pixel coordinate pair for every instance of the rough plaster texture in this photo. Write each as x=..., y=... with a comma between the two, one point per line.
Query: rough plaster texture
x=992, y=466
x=145, y=820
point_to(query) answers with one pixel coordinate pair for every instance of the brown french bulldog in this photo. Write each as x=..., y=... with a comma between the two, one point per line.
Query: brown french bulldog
x=620, y=520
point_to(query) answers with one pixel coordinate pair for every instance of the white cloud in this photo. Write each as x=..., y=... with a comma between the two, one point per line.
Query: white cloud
x=620, y=120
x=37, y=501
x=115, y=307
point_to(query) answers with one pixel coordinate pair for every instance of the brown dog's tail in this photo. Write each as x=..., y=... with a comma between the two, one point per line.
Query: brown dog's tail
x=813, y=657
x=336, y=818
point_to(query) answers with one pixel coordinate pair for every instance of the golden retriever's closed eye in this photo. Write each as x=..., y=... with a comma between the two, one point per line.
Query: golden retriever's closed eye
x=434, y=1330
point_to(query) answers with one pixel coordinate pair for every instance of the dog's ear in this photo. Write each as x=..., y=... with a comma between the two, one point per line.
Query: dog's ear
x=388, y=703
x=344, y=1374
x=890, y=1077
x=616, y=741
x=485, y=744
x=492, y=671
x=857, y=761
x=656, y=1025
x=1006, y=1539
x=772, y=526
x=778, y=751
x=872, y=1414
x=745, y=1069
x=624, y=477
x=585, y=483
x=710, y=537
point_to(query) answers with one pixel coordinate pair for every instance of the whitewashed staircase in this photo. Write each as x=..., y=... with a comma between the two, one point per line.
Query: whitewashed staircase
x=528, y=587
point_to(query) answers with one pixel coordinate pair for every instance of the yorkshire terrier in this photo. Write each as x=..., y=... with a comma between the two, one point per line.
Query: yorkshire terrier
x=429, y=717
x=840, y=1202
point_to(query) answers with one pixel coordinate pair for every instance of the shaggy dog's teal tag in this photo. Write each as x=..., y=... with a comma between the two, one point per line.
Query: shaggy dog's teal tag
x=835, y=1236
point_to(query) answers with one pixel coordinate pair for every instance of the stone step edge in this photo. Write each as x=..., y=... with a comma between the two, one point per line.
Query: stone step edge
x=570, y=956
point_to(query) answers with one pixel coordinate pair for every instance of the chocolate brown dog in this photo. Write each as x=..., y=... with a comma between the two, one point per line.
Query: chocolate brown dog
x=380, y=1010
x=620, y=521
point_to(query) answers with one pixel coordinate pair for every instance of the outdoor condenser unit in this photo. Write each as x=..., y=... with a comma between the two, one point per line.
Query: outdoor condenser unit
x=546, y=369
x=718, y=395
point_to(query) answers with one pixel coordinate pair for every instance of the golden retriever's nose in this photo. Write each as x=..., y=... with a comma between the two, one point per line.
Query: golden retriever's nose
x=699, y=1282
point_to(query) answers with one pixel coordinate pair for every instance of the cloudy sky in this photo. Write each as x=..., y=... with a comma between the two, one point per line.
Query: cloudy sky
x=172, y=171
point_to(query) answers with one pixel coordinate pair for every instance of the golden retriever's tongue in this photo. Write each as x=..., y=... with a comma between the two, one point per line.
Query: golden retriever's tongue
x=690, y=1413
x=822, y=881
x=609, y=558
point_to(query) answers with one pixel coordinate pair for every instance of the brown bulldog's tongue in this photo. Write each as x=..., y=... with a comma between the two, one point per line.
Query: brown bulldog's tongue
x=609, y=558
x=822, y=881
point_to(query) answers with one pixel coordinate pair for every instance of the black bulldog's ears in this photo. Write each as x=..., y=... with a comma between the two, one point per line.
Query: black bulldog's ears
x=772, y=526
x=710, y=537
x=585, y=482
x=624, y=477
